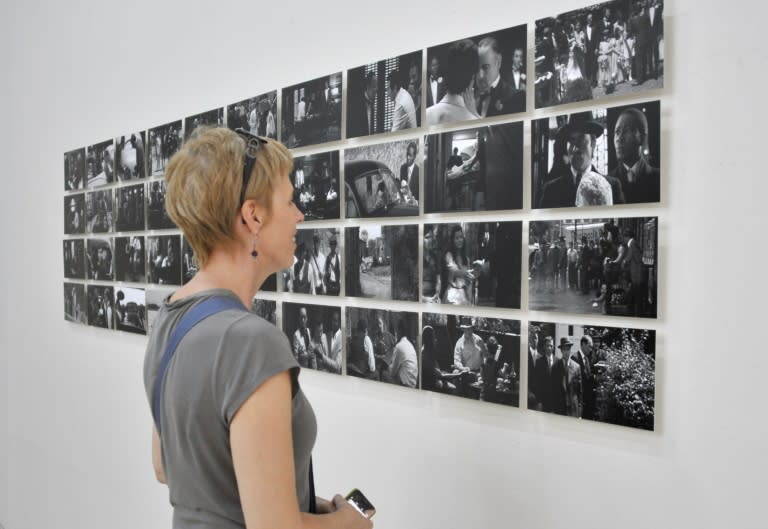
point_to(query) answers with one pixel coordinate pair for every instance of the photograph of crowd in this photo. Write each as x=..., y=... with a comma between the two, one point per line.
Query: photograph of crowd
x=472, y=264
x=594, y=266
x=315, y=179
x=315, y=335
x=100, y=161
x=382, y=180
x=131, y=156
x=101, y=302
x=477, y=169
x=382, y=344
x=157, y=216
x=98, y=210
x=211, y=118
x=266, y=309
x=382, y=262
x=189, y=266
x=131, y=310
x=316, y=265
x=602, y=157
x=129, y=259
x=475, y=358
x=99, y=257
x=74, y=303
x=605, y=374
x=163, y=258
x=605, y=49
x=74, y=214
x=384, y=96
x=164, y=141
x=155, y=298
x=478, y=77
x=130, y=208
x=257, y=115
x=311, y=112
x=74, y=258
x=74, y=170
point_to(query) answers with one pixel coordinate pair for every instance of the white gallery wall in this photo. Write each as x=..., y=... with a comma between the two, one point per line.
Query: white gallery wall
x=74, y=422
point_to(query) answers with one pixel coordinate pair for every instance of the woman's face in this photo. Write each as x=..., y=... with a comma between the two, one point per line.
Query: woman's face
x=277, y=238
x=458, y=239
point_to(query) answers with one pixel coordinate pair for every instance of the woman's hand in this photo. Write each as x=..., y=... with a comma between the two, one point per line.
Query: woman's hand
x=348, y=516
x=324, y=506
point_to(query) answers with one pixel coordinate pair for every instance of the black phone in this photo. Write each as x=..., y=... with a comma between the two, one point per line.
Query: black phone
x=358, y=500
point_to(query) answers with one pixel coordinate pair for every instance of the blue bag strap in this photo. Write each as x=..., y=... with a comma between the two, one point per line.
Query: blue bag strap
x=195, y=315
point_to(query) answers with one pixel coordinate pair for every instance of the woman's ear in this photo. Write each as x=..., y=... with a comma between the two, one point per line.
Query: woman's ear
x=253, y=216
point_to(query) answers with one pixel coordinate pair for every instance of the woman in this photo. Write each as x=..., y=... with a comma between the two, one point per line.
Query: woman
x=458, y=103
x=231, y=400
x=456, y=270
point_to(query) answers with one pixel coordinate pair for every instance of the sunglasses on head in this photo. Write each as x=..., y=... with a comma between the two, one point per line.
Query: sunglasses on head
x=252, y=145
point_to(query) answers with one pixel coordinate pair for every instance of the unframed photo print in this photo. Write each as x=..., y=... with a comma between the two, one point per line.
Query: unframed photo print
x=311, y=112
x=315, y=335
x=163, y=142
x=131, y=156
x=164, y=260
x=212, y=118
x=98, y=209
x=74, y=214
x=74, y=170
x=129, y=259
x=101, y=302
x=99, y=257
x=257, y=115
x=315, y=180
x=74, y=258
x=317, y=264
x=101, y=164
x=75, y=305
x=130, y=310
x=129, y=210
x=157, y=215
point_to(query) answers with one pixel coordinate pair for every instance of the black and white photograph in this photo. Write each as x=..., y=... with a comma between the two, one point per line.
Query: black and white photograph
x=257, y=115
x=211, y=118
x=99, y=257
x=75, y=305
x=382, y=262
x=189, y=266
x=382, y=180
x=605, y=374
x=129, y=208
x=74, y=258
x=164, y=260
x=384, y=96
x=130, y=310
x=130, y=264
x=311, y=112
x=475, y=358
x=382, y=345
x=131, y=156
x=472, y=264
x=315, y=179
x=477, y=77
x=74, y=170
x=163, y=141
x=265, y=308
x=478, y=169
x=594, y=266
x=101, y=303
x=611, y=48
x=315, y=335
x=100, y=161
x=74, y=214
x=155, y=298
x=317, y=263
x=157, y=215
x=602, y=157
x=98, y=210
x=270, y=284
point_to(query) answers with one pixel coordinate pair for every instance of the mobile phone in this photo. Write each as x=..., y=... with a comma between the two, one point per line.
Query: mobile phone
x=358, y=500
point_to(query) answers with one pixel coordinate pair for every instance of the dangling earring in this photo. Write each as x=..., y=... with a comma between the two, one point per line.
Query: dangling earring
x=254, y=253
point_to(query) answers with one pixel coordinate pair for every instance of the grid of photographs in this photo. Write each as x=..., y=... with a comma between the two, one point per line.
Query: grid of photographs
x=434, y=218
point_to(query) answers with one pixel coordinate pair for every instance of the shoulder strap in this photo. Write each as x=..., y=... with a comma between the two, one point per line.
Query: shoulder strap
x=195, y=315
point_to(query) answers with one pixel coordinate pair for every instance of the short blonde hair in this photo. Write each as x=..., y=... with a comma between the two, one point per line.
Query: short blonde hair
x=204, y=179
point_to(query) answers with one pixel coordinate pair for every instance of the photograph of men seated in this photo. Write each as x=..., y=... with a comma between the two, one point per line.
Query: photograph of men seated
x=317, y=263
x=605, y=157
x=315, y=335
x=594, y=266
x=382, y=180
x=474, y=358
x=311, y=112
x=611, y=48
x=382, y=262
x=477, y=77
x=257, y=115
x=131, y=310
x=605, y=374
x=315, y=179
x=472, y=264
x=74, y=303
x=384, y=96
x=477, y=169
x=381, y=346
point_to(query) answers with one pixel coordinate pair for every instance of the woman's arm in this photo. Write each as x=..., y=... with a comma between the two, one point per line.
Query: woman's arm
x=157, y=456
x=262, y=453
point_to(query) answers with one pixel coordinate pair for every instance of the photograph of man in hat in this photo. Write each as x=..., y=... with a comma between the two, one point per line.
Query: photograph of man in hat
x=579, y=183
x=571, y=379
x=470, y=350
